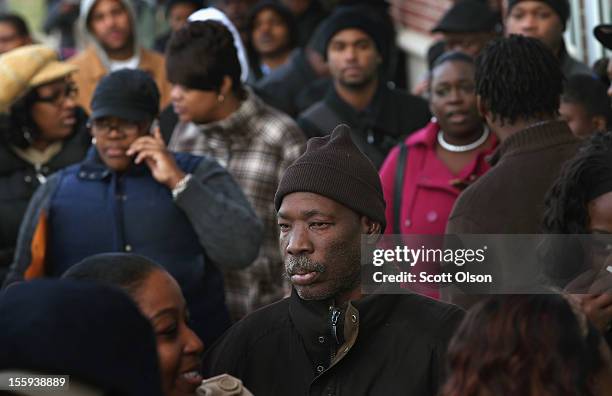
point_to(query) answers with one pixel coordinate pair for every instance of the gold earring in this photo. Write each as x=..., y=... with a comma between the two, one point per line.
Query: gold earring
x=220, y=98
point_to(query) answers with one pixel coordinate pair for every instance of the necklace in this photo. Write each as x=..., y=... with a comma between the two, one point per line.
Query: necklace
x=462, y=149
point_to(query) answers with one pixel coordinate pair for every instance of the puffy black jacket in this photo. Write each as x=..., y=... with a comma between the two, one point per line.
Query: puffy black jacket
x=19, y=179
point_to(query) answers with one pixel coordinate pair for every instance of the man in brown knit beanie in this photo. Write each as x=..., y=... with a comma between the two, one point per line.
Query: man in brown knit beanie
x=328, y=338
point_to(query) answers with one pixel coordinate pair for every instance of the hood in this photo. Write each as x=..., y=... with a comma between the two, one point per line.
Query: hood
x=213, y=14
x=85, y=10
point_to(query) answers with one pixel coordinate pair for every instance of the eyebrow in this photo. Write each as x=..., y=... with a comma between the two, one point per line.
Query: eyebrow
x=351, y=42
x=306, y=214
x=165, y=311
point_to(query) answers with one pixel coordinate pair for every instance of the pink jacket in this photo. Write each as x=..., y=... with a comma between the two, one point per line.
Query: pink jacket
x=430, y=189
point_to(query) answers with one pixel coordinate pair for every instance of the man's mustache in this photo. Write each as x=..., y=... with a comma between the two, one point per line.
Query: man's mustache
x=302, y=265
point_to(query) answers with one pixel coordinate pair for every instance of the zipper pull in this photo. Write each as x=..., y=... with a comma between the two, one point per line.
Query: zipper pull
x=335, y=317
x=42, y=179
x=370, y=136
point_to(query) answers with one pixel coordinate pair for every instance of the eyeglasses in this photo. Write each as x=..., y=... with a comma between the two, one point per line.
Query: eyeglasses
x=104, y=127
x=58, y=97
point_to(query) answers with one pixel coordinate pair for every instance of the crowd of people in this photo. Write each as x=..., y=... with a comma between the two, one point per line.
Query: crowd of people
x=184, y=212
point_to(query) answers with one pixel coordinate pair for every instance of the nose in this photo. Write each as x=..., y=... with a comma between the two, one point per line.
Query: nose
x=265, y=26
x=69, y=103
x=298, y=242
x=193, y=344
x=455, y=95
x=114, y=133
x=175, y=93
x=528, y=24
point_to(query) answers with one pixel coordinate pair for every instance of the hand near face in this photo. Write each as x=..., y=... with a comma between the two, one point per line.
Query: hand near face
x=152, y=150
x=598, y=308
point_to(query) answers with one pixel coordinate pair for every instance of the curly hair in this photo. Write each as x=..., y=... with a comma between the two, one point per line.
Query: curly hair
x=523, y=345
x=518, y=78
x=565, y=205
x=201, y=54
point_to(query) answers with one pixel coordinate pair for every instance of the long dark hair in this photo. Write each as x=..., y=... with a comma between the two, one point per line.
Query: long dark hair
x=523, y=345
x=17, y=128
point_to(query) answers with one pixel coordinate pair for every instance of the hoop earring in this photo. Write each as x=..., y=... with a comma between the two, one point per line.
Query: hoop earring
x=27, y=135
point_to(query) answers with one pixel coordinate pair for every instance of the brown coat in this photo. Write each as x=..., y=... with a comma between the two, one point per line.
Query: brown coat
x=509, y=199
x=91, y=70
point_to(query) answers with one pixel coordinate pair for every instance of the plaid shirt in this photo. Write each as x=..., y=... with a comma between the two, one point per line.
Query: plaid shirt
x=256, y=143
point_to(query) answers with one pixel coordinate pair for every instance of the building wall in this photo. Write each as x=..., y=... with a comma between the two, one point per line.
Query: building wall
x=415, y=19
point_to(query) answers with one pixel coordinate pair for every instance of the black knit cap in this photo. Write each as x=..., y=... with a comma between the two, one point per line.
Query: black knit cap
x=561, y=7
x=352, y=18
x=333, y=166
x=171, y=3
x=603, y=33
x=130, y=94
x=94, y=333
x=468, y=16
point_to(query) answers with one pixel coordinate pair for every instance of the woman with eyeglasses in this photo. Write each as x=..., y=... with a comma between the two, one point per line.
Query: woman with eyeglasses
x=41, y=131
x=131, y=194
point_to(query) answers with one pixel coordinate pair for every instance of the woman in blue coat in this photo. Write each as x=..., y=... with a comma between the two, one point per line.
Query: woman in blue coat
x=131, y=194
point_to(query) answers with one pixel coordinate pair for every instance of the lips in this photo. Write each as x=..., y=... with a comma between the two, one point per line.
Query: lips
x=115, y=151
x=457, y=117
x=115, y=36
x=188, y=380
x=352, y=69
x=192, y=377
x=178, y=109
x=68, y=120
x=304, y=279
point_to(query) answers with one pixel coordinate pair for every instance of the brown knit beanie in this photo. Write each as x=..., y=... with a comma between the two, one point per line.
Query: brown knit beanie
x=333, y=166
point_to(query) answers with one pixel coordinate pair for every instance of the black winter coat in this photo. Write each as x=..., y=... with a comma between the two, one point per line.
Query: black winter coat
x=379, y=345
x=19, y=180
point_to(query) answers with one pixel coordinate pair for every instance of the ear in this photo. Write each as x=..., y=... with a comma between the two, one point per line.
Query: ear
x=371, y=228
x=226, y=86
x=599, y=123
x=482, y=108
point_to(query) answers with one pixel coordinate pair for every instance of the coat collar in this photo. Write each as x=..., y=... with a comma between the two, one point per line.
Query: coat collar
x=92, y=168
x=369, y=115
x=313, y=319
x=235, y=128
x=538, y=136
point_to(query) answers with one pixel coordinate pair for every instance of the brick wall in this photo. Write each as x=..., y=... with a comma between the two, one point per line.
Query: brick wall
x=422, y=15
x=419, y=15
